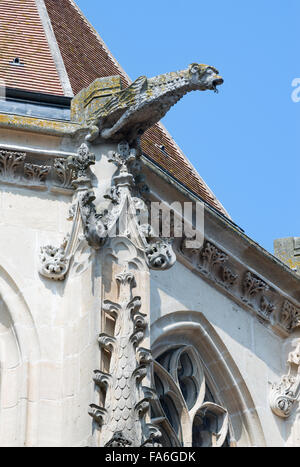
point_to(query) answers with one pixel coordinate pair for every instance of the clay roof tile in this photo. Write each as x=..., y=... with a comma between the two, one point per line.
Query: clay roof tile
x=85, y=57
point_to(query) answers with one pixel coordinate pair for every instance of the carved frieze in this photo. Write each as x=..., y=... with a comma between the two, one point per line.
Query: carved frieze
x=10, y=162
x=243, y=286
x=289, y=316
x=19, y=169
x=36, y=173
x=229, y=278
x=266, y=308
x=63, y=173
x=212, y=258
x=251, y=286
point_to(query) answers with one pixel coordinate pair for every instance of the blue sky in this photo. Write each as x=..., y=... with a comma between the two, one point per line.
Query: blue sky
x=245, y=140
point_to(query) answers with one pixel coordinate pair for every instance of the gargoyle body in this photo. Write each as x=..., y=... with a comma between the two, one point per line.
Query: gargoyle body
x=130, y=112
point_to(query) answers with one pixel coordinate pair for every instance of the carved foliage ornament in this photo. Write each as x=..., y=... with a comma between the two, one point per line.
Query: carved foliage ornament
x=213, y=263
x=10, y=161
x=286, y=393
x=122, y=214
x=14, y=168
x=247, y=287
x=81, y=162
x=289, y=316
x=252, y=285
x=122, y=418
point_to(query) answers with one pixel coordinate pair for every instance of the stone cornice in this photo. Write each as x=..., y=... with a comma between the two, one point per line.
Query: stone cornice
x=270, y=304
x=229, y=238
x=25, y=170
x=38, y=125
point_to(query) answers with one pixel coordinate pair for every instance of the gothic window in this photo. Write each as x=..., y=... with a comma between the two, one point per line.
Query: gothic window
x=185, y=409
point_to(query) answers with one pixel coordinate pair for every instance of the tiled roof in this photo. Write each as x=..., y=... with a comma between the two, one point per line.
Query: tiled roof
x=85, y=58
x=22, y=37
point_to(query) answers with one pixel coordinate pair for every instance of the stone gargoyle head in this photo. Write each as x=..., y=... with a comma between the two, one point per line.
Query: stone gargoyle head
x=204, y=77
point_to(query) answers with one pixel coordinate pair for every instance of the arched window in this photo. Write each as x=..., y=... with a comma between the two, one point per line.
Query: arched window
x=185, y=409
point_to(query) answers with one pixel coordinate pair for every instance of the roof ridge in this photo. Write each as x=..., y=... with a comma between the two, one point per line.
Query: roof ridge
x=54, y=48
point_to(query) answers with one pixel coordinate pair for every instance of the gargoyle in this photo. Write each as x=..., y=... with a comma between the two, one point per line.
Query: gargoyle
x=130, y=112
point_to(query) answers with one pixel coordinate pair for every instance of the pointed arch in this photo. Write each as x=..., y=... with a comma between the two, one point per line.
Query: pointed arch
x=19, y=364
x=221, y=372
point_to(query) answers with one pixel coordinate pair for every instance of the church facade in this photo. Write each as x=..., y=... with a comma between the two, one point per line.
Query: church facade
x=133, y=310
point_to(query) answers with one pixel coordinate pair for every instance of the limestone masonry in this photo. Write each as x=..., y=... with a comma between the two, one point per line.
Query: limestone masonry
x=134, y=312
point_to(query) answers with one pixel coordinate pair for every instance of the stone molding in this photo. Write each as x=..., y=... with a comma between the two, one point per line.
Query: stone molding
x=17, y=168
x=122, y=217
x=243, y=286
x=285, y=394
x=127, y=213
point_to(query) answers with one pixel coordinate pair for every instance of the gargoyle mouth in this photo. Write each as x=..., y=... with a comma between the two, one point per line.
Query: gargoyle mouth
x=217, y=82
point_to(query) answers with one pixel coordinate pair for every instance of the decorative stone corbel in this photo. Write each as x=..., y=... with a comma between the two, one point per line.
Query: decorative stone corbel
x=160, y=254
x=54, y=263
x=285, y=394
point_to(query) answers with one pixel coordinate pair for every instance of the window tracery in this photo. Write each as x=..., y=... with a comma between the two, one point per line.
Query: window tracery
x=185, y=409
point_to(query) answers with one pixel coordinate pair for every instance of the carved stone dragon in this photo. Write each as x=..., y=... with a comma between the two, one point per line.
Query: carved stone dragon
x=130, y=112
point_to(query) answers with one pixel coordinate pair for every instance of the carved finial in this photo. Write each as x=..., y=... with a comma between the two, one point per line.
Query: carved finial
x=80, y=163
x=124, y=156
